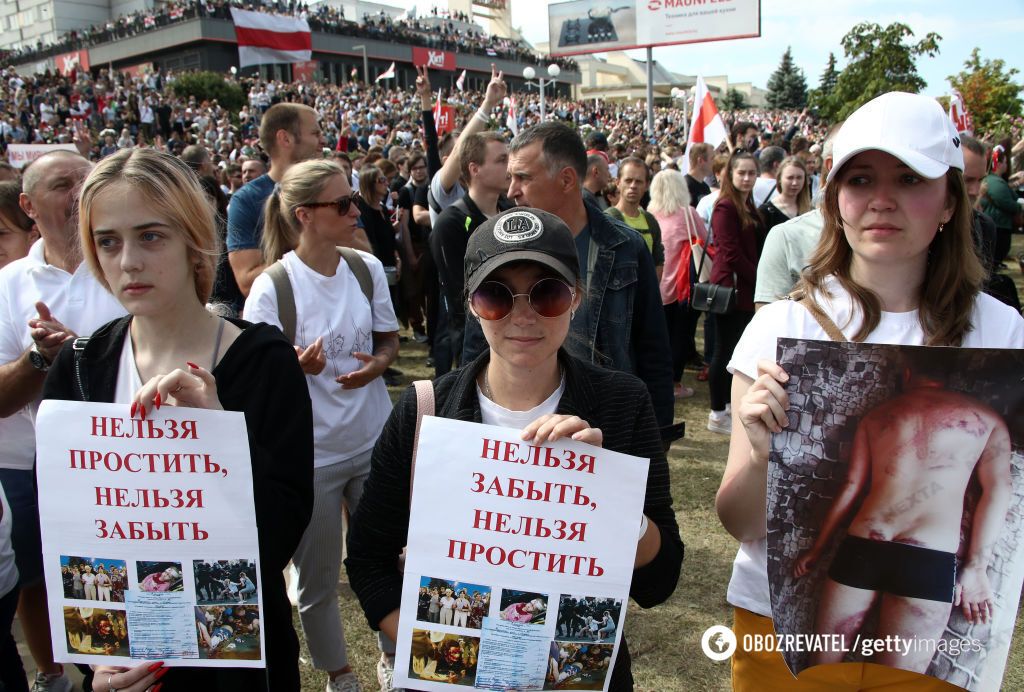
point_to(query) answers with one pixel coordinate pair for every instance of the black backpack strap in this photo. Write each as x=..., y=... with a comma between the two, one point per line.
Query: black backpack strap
x=81, y=379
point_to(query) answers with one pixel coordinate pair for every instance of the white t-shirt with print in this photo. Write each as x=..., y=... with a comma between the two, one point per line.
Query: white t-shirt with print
x=995, y=326
x=346, y=422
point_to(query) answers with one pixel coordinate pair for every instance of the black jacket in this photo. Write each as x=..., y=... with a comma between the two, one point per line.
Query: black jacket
x=259, y=376
x=614, y=401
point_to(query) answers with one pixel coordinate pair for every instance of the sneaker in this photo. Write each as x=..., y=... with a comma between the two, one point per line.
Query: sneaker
x=346, y=682
x=386, y=674
x=419, y=337
x=720, y=422
x=702, y=376
x=54, y=682
x=682, y=391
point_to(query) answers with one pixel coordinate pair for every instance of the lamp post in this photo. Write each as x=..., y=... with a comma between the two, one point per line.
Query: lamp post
x=366, y=64
x=542, y=84
x=680, y=94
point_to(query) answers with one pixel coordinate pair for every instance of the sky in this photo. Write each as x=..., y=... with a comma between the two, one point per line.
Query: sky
x=814, y=28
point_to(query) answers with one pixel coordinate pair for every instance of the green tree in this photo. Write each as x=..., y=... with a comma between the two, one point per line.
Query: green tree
x=879, y=60
x=734, y=101
x=207, y=86
x=989, y=91
x=787, y=87
x=826, y=85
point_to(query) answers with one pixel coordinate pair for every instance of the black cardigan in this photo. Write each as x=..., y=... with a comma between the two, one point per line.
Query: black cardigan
x=259, y=376
x=616, y=402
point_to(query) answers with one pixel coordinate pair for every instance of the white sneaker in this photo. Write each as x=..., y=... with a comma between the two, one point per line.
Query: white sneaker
x=346, y=682
x=720, y=422
x=54, y=682
x=386, y=674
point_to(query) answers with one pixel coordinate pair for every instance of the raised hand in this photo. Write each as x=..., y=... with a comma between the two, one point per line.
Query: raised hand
x=47, y=332
x=496, y=90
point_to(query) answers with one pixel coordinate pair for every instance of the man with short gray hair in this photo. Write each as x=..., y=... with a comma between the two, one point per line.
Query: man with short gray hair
x=766, y=184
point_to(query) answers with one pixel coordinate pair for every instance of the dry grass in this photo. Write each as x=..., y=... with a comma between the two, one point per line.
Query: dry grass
x=665, y=641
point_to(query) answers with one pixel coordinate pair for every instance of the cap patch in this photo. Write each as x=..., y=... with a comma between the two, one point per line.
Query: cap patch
x=518, y=227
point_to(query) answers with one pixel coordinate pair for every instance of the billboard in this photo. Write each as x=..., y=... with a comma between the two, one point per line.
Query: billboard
x=75, y=60
x=305, y=71
x=592, y=26
x=434, y=59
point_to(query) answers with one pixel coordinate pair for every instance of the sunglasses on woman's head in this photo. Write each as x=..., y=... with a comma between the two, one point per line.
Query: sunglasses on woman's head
x=343, y=204
x=493, y=300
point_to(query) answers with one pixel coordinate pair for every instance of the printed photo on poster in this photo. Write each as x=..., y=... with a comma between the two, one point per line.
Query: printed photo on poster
x=158, y=577
x=443, y=657
x=96, y=631
x=524, y=606
x=892, y=531
x=455, y=603
x=574, y=666
x=588, y=619
x=93, y=578
x=221, y=582
x=228, y=632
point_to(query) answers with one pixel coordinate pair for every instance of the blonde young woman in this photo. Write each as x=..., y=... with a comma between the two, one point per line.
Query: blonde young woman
x=895, y=264
x=793, y=193
x=148, y=233
x=345, y=341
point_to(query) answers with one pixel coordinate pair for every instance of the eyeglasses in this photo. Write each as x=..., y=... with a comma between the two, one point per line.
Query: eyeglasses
x=342, y=204
x=549, y=298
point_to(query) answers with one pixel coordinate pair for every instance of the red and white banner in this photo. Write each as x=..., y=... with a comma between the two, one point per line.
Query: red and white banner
x=959, y=115
x=305, y=71
x=707, y=126
x=75, y=60
x=512, y=120
x=271, y=38
x=461, y=81
x=21, y=155
x=387, y=74
x=434, y=59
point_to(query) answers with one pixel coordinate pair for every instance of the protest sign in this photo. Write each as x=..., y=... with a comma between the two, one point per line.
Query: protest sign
x=150, y=548
x=894, y=508
x=519, y=560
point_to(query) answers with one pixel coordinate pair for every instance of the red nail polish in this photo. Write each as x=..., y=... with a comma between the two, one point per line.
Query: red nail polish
x=142, y=412
x=156, y=401
x=160, y=673
x=156, y=666
x=135, y=407
x=191, y=365
x=158, y=685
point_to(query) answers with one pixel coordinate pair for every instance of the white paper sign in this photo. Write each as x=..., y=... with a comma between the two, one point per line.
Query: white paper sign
x=150, y=548
x=519, y=560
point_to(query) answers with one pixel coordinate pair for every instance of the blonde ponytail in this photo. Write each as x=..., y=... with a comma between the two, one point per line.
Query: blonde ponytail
x=302, y=184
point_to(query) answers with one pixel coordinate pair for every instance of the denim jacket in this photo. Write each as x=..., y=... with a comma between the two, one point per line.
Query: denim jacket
x=627, y=329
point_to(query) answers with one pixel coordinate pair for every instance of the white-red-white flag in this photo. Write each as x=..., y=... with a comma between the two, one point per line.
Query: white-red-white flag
x=461, y=81
x=271, y=38
x=438, y=105
x=706, y=126
x=388, y=74
x=512, y=120
x=959, y=115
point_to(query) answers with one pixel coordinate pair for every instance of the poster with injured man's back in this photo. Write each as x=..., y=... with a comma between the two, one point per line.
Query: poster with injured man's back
x=895, y=508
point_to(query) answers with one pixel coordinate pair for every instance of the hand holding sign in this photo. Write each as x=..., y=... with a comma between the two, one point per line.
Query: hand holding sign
x=196, y=388
x=553, y=426
x=141, y=677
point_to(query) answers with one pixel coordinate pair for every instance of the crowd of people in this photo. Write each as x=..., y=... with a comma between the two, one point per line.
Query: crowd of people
x=92, y=580
x=285, y=254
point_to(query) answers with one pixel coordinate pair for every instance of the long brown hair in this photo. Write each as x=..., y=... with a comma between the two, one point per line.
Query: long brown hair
x=952, y=279
x=748, y=218
x=803, y=198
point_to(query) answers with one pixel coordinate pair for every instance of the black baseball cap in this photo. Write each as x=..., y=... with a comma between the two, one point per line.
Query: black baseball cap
x=517, y=235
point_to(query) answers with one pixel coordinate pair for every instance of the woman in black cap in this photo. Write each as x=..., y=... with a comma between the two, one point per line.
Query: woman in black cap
x=527, y=381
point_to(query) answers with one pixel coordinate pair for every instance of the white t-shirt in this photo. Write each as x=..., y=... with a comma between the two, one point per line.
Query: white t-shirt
x=995, y=326
x=77, y=300
x=493, y=414
x=444, y=199
x=128, y=379
x=706, y=205
x=763, y=189
x=346, y=422
x=8, y=569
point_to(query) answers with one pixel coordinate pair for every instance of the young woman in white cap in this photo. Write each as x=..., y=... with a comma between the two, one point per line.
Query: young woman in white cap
x=895, y=264
x=525, y=381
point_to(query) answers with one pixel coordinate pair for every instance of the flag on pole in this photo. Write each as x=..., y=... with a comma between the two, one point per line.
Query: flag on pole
x=354, y=73
x=389, y=74
x=959, y=115
x=512, y=119
x=271, y=38
x=438, y=104
x=707, y=126
x=460, y=82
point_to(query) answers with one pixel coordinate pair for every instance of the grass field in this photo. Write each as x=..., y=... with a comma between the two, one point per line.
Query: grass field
x=664, y=641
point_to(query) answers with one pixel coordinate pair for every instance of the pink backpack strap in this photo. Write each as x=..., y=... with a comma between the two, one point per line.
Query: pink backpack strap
x=424, y=407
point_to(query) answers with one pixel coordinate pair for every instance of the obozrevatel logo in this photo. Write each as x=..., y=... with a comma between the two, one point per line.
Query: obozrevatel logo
x=718, y=642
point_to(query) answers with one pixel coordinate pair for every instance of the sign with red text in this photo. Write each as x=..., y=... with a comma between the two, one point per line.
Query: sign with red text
x=586, y=26
x=433, y=58
x=21, y=155
x=519, y=560
x=305, y=71
x=75, y=60
x=444, y=119
x=150, y=549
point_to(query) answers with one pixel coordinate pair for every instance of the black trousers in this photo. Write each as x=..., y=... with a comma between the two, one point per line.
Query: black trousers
x=728, y=330
x=682, y=331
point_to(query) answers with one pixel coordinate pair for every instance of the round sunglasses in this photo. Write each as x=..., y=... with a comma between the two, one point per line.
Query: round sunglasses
x=549, y=298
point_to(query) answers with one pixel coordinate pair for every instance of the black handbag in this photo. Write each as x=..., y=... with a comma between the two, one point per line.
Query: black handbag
x=709, y=297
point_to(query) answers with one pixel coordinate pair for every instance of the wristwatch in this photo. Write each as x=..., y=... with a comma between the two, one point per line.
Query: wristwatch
x=37, y=359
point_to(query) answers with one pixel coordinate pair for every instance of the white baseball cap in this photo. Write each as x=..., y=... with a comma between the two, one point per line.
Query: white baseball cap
x=913, y=128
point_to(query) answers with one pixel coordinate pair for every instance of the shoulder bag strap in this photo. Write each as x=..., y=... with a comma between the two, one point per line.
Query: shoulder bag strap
x=424, y=407
x=285, y=298
x=615, y=213
x=359, y=268
x=81, y=380
x=826, y=323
